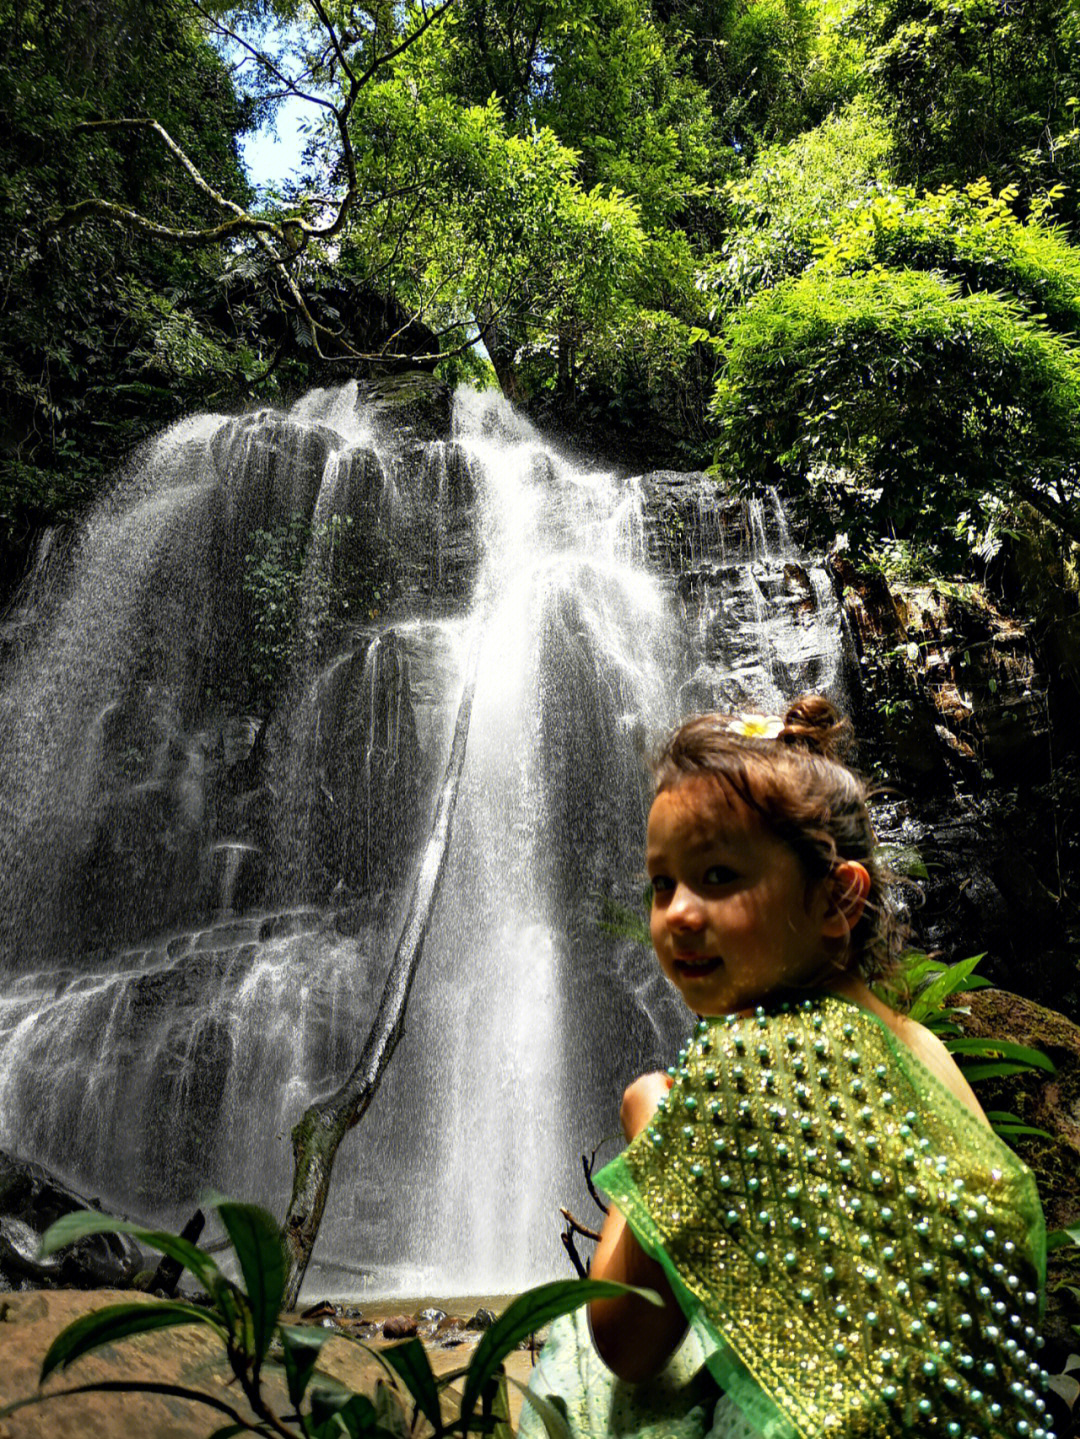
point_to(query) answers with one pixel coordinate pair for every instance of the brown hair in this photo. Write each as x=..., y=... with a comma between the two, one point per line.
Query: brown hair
x=796, y=781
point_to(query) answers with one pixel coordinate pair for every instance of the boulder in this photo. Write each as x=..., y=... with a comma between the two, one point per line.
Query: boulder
x=400, y=1326
x=31, y=1199
x=1050, y=1102
x=413, y=405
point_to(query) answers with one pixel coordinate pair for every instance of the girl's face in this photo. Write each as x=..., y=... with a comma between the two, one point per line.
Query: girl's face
x=733, y=915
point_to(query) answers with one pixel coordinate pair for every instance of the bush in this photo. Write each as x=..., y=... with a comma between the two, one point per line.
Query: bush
x=923, y=395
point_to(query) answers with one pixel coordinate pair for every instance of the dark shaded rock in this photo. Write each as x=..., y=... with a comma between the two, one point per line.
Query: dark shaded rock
x=413, y=405
x=1050, y=1102
x=30, y=1201
x=400, y=1326
x=322, y=1310
x=482, y=1319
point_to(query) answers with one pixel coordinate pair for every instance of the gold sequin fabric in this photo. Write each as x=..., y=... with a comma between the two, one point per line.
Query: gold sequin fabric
x=865, y=1253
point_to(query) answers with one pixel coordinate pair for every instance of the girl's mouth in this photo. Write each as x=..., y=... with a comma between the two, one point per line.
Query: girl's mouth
x=695, y=966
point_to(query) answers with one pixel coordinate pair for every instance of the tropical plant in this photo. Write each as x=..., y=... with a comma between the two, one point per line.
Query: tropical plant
x=246, y=1320
x=932, y=994
x=901, y=398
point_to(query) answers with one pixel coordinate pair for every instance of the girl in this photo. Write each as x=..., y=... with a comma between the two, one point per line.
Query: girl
x=835, y=1233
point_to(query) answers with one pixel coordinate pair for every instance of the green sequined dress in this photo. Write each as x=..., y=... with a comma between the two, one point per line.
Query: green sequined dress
x=859, y=1257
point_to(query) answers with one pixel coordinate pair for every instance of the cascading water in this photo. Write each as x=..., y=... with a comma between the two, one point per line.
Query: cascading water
x=203, y=898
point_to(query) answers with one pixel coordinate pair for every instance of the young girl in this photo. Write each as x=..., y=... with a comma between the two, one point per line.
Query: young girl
x=836, y=1235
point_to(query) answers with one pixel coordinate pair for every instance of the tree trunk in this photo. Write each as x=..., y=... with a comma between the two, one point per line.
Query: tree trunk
x=316, y=1137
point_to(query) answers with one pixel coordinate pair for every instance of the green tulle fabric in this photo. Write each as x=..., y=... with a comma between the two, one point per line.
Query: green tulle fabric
x=859, y=1253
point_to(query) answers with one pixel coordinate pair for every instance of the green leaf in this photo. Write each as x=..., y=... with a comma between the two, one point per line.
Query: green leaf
x=118, y=1321
x=410, y=1362
x=257, y=1241
x=390, y=1410
x=1058, y=1238
x=335, y=1411
x=85, y=1222
x=531, y=1311
x=973, y=1073
x=933, y=997
x=138, y=1386
x=551, y=1409
x=495, y=1403
x=1004, y=1049
x=301, y=1346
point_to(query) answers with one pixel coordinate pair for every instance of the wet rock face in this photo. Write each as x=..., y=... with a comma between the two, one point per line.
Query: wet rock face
x=408, y=408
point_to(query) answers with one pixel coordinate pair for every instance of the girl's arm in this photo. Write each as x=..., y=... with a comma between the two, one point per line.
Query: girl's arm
x=633, y=1338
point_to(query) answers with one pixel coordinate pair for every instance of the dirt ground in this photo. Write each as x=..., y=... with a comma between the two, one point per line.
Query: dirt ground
x=189, y=1356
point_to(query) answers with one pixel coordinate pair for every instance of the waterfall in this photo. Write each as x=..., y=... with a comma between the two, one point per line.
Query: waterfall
x=204, y=892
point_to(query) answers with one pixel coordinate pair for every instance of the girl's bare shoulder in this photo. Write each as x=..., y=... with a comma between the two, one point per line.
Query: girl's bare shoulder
x=926, y=1047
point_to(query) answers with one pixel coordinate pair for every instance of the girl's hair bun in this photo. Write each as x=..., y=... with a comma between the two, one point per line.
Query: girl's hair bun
x=815, y=724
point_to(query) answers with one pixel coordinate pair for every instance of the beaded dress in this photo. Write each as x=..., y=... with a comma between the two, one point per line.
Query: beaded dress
x=858, y=1256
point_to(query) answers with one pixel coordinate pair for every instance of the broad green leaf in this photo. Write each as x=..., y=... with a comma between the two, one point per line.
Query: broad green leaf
x=118, y=1321
x=531, y=1311
x=257, y=1242
x=1004, y=1049
x=301, y=1348
x=551, y=1409
x=938, y=991
x=410, y=1362
x=390, y=1410
x=1058, y=1238
x=496, y=1405
x=340, y=1412
x=1004, y=1130
x=85, y=1222
x=976, y=1072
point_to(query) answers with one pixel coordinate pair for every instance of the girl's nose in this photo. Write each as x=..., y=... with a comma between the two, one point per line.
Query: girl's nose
x=684, y=910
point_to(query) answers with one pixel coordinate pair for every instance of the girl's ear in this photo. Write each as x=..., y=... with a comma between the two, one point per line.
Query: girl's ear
x=847, y=889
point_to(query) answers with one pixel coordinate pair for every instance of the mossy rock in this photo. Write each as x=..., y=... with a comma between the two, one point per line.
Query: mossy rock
x=410, y=407
x=1046, y=1101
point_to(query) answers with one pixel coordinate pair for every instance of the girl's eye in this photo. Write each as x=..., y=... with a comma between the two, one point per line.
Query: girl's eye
x=661, y=884
x=719, y=874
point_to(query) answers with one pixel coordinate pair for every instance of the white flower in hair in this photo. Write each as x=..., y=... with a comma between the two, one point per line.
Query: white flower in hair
x=749, y=726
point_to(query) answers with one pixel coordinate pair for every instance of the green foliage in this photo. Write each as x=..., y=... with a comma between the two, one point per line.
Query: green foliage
x=281, y=586
x=932, y=994
x=794, y=195
x=245, y=1318
x=105, y=337
x=977, y=88
x=920, y=395
x=272, y=585
x=971, y=234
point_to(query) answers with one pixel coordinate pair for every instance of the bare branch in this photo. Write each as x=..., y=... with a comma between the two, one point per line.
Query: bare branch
x=289, y=85
x=130, y=219
x=577, y=1227
x=567, y=1238
x=335, y=40
x=588, y=1165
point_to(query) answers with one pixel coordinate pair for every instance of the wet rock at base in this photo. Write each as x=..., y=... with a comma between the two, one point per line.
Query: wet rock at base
x=482, y=1319
x=400, y=1326
x=31, y=1200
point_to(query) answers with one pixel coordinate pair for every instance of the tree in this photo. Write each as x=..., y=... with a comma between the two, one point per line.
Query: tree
x=104, y=335
x=926, y=396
